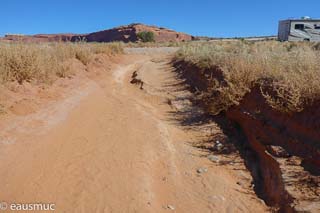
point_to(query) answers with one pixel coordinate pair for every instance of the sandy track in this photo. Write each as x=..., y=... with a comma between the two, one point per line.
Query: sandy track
x=117, y=150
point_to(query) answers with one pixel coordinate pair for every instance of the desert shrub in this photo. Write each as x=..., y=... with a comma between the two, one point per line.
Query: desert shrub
x=108, y=48
x=83, y=54
x=24, y=62
x=43, y=62
x=288, y=74
x=146, y=36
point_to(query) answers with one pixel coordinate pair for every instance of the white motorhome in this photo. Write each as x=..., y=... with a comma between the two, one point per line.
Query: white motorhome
x=304, y=29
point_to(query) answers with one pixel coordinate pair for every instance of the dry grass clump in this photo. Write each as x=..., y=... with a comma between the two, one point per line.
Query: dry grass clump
x=42, y=62
x=107, y=48
x=288, y=73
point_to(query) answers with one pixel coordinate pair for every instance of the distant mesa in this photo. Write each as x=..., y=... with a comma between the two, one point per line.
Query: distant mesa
x=126, y=34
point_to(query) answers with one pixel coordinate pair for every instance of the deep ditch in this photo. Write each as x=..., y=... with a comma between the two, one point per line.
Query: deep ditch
x=281, y=152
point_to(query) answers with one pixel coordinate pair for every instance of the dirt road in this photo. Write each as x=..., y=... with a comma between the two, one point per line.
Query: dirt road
x=113, y=147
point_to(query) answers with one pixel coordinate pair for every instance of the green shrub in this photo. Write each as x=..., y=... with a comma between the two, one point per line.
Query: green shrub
x=146, y=36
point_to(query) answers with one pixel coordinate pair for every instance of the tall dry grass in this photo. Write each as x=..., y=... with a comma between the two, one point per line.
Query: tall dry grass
x=288, y=73
x=42, y=62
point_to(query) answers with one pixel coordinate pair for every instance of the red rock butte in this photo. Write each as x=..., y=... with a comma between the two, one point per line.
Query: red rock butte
x=126, y=33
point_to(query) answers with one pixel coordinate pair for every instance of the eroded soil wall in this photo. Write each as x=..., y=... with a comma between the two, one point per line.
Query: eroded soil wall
x=271, y=136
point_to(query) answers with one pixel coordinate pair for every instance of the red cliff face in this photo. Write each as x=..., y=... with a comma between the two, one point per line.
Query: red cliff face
x=40, y=37
x=124, y=33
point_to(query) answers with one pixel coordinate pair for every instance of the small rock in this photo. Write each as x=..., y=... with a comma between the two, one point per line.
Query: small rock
x=202, y=170
x=170, y=207
x=252, y=186
x=213, y=158
x=219, y=147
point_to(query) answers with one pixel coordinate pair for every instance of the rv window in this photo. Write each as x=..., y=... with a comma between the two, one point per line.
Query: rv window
x=299, y=27
x=317, y=26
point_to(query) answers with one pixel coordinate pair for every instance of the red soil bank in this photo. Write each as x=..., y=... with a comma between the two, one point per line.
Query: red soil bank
x=286, y=146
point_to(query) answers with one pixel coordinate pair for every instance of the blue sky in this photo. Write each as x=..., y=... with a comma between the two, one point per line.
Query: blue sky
x=223, y=18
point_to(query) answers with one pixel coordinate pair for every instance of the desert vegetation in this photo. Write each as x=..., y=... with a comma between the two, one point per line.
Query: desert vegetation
x=146, y=36
x=287, y=74
x=43, y=62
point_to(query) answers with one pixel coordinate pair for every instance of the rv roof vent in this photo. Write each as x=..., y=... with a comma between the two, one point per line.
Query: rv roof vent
x=305, y=17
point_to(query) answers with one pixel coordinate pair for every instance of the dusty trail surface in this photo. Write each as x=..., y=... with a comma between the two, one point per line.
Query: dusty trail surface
x=113, y=147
